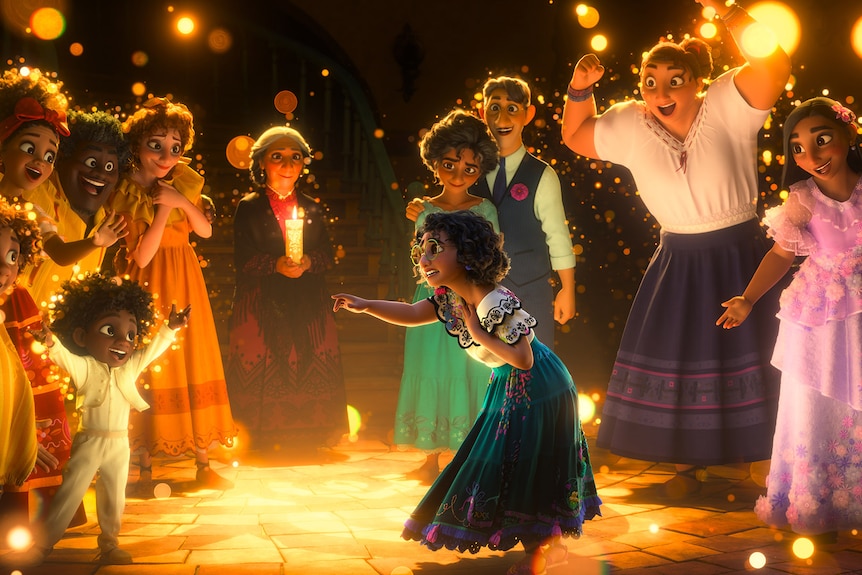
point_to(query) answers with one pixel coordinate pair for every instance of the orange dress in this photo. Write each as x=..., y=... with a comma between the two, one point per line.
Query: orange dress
x=186, y=385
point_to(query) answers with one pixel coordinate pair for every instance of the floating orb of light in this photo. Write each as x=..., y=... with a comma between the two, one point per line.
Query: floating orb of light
x=779, y=18
x=139, y=88
x=76, y=48
x=185, y=25
x=47, y=23
x=654, y=528
x=586, y=408
x=162, y=491
x=856, y=37
x=757, y=560
x=219, y=40
x=581, y=9
x=378, y=133
x=285, y=101
x=140, y=58
x=759, y=40
x=19, y=538
x=589, y=18
x=238, y=152
x=803, y=548
x=599, y=43
x=708, y=30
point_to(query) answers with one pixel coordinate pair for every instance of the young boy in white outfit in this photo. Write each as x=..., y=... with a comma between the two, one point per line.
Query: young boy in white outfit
x=98, y=322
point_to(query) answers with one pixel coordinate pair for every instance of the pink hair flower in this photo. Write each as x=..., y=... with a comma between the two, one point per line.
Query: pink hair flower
x=846, y=115
x=440, y=291
x=519, y=192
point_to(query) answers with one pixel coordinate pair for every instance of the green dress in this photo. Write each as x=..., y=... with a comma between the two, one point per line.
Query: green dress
x=442, y=388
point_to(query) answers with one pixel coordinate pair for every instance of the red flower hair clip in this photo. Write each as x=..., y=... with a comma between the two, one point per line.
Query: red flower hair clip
x=846, y=115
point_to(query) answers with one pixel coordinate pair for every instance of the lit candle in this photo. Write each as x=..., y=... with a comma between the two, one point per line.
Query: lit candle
x=293, y=237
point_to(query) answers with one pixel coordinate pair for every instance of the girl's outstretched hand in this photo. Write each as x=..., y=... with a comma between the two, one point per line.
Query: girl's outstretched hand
x=587, y=72
x=349, y=302
x=179, y=319
x=737, y=310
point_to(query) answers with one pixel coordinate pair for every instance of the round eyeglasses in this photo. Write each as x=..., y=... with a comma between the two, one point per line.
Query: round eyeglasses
x=430, y=249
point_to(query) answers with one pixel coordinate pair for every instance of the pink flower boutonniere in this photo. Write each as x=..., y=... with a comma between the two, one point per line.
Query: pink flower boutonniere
x=519, y=192
x=846, y=115
x=440, y=291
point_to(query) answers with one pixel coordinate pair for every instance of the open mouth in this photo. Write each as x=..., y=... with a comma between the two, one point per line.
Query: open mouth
x=430, y=273
x=117, y=354
x=33, y=173
x=667, y=109
x=824, y=168
x=92, y=187
x=504, y=131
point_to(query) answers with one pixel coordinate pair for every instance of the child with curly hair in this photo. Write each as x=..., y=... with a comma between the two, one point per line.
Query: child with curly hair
x=19, y=244
x=99, y=323
x=523, y=473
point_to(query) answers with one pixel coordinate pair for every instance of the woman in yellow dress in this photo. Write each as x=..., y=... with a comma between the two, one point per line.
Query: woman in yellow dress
x=160, y=198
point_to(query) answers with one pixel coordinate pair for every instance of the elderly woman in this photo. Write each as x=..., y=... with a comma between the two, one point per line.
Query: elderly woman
x=284, y=373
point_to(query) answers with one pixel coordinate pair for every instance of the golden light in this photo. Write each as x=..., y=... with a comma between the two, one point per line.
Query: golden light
x=185, y=25
x=757, y=560
x=354, y=422
x=758, y=40
x=803, y=548
x=76, y=48
x=708, y=30
x=19, y=538
x=378, y=133
x=162, y=491
x=599, y=43
x=581, y=9
x=47, y=23
x=139, y=88
x=653, y=528
x=856, y=37
x=589, y=18
x=586, y=408
x=779, y=18
x=708, y=13
x=767, y=157
x=238, y=152
x=140, y=58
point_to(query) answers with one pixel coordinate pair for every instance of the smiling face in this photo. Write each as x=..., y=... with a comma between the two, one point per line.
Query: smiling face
x=457, y=171
x=159, y=153
x=671, y=95
x=283, y=162
x=506, y=119
x=110, y=339
x=819, y=146
x=10, y=250
x=28, y=157
x=88, y=176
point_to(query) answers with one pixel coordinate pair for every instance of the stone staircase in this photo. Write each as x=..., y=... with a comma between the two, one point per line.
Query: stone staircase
x=371, y=351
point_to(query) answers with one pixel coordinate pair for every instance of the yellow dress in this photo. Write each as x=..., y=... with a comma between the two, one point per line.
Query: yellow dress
x=17, y=417
x=186, y=385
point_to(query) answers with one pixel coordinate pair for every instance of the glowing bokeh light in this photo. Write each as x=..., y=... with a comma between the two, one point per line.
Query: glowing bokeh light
x=162, y=491
x=803, y=548
x=47, y=23
x=581, y=9
x=185, y=25
x=76, y=48
x=590, y=18
x=757, y=560
x=856, y=37
x=19, y=538
x=378, y=133
x=140, y=58
x=586, y=408
x=654, y=528
x=708, y=13
x=708, y=30
x=285, y=102
x=781, y=19
x=759, y=41
x=219, y=40
x=239, y=152
x=599, y=43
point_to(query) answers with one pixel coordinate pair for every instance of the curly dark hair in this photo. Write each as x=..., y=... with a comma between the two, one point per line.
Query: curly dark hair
x=158, y=113
x=36, y=84
x=97, y=127
x=459, y=130
x=479, y=247
x=83, y=300
x=26, y=230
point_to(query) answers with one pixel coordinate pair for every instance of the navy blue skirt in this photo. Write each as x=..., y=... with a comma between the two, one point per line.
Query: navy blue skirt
x=682, y=389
